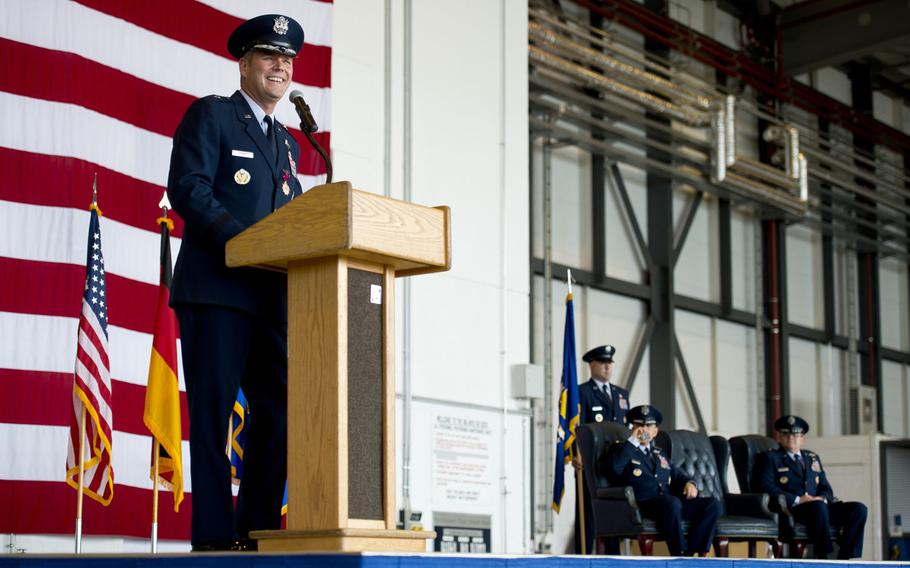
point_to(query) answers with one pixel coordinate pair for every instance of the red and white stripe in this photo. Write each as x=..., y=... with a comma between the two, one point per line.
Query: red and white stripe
x=92, y=403
x=100, y=86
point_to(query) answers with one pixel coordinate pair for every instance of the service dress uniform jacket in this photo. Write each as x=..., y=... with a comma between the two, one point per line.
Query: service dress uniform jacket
x=226, y=175
x=223, y=178
x=596, y=407
x=791, y=479
x=658, y=487
x=779, y=474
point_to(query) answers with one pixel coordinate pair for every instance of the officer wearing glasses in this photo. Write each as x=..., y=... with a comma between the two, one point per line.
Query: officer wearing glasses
x=798, y=475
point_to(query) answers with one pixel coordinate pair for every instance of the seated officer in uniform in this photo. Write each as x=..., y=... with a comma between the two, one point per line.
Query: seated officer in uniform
x=599, y=399
x=663, y=491
x=798, y=475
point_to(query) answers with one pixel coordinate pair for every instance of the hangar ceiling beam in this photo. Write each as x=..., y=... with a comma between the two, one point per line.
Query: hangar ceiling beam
x=829, y=32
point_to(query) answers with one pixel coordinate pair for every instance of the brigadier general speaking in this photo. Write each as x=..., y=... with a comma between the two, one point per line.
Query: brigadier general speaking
x=233, y=164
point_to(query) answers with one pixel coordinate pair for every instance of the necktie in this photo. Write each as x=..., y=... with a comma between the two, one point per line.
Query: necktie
x=270, y=134
x=606, y=391
x=649, y=456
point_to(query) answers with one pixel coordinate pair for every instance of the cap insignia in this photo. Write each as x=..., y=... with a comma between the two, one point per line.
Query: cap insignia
x=645, y=410
x=281, y=25
x=791, y=420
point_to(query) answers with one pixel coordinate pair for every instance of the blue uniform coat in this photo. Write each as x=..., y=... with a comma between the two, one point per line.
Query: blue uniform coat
x=781, y=475
x=648, y=476
x=594, y=403
x=224, y=178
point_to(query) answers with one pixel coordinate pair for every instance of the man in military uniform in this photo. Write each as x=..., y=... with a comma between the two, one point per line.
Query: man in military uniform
x=233, y=164
x=600, y=401
x=663, y=491
x=798, y=476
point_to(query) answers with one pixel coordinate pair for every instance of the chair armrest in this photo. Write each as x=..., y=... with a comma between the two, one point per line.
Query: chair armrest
x=785, y=521
x=749, y=505
x=618, y=494
x=616, y=512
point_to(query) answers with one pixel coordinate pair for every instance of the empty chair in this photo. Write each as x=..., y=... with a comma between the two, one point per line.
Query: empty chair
x=747, y=517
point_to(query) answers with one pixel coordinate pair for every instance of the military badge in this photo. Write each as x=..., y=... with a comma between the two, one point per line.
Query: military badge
x=291, y=158
x=783, y=480
x=242, y=177
x=623, y=403
x=816, y=467
x=636, y=472
x=281, y=25
x=598, y=418
x=663, y=463
x=817, y=478
x=285, y=188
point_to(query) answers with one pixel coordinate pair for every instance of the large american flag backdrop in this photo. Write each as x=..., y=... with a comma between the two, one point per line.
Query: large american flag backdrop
x=99, y=86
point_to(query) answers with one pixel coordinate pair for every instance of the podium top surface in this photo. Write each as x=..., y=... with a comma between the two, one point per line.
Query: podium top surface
x=335, y=219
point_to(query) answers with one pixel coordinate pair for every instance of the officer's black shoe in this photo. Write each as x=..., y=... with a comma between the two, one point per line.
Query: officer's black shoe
x=214, y=546
x=245, y=545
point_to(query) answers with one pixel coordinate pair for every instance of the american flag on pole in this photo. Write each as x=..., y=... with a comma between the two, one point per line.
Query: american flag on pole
x=92, y=382
x=100, y=86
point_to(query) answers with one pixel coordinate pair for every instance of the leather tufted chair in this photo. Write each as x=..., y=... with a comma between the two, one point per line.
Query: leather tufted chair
x=747, y=517
x=746, y=451
x=616, y=514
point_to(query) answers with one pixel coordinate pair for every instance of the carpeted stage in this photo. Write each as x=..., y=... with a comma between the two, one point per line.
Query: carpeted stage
x=261, y=560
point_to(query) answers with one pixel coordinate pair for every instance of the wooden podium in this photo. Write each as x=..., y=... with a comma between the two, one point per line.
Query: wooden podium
x=342, y=249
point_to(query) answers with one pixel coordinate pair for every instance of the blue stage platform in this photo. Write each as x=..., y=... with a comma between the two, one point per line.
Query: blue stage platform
x=260, y=560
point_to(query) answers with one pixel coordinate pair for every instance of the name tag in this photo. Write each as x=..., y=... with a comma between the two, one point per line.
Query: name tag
x=597, y=408
x=242, y=154
x=636, y=462
x=783, y=469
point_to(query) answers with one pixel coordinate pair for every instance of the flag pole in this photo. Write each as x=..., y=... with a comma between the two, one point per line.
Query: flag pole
x=81, y=490
x=164, y=204
x=156, y=449
x=579, y=490
x=579, y=474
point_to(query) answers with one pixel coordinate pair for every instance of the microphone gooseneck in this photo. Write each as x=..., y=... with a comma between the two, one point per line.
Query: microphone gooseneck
x=308, y=126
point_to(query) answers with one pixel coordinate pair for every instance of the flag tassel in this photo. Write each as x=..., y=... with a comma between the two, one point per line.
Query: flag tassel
x=156, y=451
x=81, y=491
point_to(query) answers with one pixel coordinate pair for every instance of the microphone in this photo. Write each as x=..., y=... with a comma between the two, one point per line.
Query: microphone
x=307, y=124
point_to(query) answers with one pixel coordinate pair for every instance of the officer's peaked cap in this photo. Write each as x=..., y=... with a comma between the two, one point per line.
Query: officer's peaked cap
x=271, y=32
x=643, y=415
x=791, y=424
x=602, y=353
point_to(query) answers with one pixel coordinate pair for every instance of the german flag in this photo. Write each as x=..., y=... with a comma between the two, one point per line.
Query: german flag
x=162, y=397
